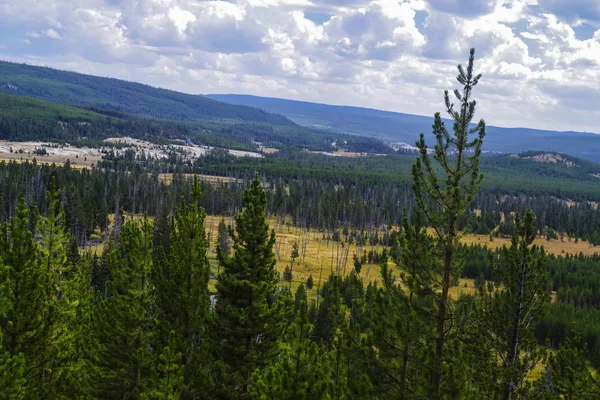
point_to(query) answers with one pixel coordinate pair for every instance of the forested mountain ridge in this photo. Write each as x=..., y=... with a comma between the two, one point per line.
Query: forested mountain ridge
x=25, y=118
x=113, y=94
x=400, y=127
x=211, y=122
x=239, y=121
x=29, y=119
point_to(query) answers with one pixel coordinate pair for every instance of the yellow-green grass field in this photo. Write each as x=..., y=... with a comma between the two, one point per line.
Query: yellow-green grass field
x=320, y=257
x=317, y=256
x=554, y=246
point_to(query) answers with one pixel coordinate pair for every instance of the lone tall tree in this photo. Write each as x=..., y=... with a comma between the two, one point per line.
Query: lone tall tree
x=293, y=257
x=443, y=199
x=249, y=319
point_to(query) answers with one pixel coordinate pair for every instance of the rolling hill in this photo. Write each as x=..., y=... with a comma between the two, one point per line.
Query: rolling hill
x=398, y=127
x=136, y=107
x=113, y=94
x=242, y=121
x=28, y=119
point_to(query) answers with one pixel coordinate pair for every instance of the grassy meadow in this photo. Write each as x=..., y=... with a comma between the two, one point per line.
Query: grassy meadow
x=321, y=257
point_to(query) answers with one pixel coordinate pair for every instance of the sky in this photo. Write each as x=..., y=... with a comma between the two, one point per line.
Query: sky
x=540, y=59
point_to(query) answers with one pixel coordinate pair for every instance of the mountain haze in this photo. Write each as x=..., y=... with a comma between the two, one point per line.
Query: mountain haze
x=399, y=127
x=246, y=119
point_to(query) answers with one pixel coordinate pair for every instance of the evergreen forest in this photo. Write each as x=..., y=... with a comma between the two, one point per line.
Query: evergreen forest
x=440, y=273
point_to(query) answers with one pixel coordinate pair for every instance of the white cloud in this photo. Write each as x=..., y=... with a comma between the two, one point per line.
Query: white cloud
x=574, y=12
x=468, y=9
x=53, y=34
x=383, y=30
x=392, y=54
x=181, y=18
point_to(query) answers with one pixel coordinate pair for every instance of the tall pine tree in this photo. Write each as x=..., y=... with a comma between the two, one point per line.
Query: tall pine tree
x=26, y=323
x=183, y=294
x=73, y=336
x=12, y=367
x=444, y=198
x=125, y=321
x=53, y=246
x=301, y=371
x=223, y=238
x=513, y=306
x=249, y=318
x=402, y=324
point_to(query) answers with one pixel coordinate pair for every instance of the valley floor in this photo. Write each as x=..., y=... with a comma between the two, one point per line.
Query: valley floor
x=320, y=257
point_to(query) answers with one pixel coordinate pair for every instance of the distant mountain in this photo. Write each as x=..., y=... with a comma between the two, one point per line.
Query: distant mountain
x=113, y=94
x=24, y=118
x=237, y=120
x=398, y=127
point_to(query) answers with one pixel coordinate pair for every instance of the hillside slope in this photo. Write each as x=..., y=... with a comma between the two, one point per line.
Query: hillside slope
x=114, y=94
x=398, y=127
x=28, y=119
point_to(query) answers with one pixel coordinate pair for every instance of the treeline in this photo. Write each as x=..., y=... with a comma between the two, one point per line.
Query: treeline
x=367, y=208
x=575, y=284
x=89, y=196
x=505, y=175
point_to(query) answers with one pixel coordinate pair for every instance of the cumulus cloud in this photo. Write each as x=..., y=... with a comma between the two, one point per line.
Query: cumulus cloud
x=383, y=30
x=222, y=27
x=469, y=9
x=392, y=54
x=574, y=12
